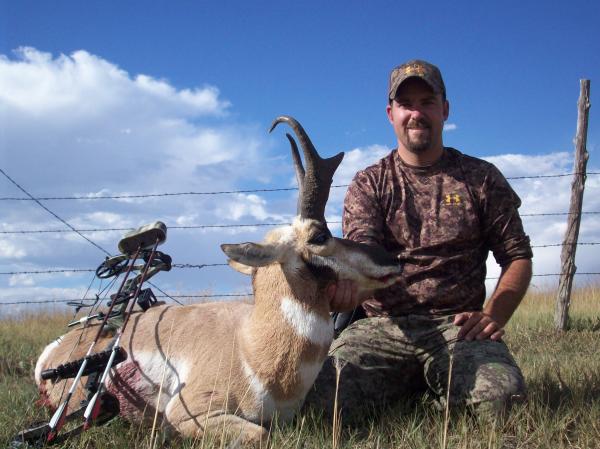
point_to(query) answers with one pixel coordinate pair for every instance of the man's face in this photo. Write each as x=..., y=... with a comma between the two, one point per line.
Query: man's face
x=417, y=115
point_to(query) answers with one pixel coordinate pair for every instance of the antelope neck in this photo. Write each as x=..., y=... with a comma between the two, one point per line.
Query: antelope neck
x=283, y=335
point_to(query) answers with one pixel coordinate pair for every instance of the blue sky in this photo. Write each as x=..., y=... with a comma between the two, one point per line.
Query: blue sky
x=186, y=91
x=327, y=62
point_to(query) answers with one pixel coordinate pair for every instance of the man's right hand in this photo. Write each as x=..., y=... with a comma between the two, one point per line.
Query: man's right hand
x=345, y=296
x=478, y=326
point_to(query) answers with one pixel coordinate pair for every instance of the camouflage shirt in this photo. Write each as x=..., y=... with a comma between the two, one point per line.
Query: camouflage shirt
x=442, y=221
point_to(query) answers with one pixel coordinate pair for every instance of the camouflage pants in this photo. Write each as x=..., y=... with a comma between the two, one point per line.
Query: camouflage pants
x=383, y=360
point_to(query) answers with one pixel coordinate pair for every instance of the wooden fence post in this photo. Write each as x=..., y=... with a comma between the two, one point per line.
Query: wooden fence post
x=569, y=248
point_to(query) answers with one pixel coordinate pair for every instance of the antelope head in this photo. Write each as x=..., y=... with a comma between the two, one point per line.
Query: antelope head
x=306, y=249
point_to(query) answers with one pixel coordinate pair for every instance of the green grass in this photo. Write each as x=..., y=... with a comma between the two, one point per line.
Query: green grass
x=562, y=372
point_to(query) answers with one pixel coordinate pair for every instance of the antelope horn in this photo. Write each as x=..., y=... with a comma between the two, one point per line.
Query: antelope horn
x=316, y=180
x=299, y=171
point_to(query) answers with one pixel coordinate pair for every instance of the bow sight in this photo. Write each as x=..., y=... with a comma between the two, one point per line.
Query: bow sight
x=100, y=407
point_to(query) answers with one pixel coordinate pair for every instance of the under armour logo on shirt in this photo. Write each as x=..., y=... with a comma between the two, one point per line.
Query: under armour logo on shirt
x=452, y=199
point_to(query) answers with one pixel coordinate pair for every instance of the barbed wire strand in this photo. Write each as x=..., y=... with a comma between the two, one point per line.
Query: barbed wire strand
x=164, y=294
x=238, y=295
x=243, y=225
x=87, y=270
x=564, y=244
x=548, y=214
x=228, y=192
x=205, y=265
x=247, y=225
x=51, y=301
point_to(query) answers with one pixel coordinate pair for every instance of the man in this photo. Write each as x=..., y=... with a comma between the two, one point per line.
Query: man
x=441, y=212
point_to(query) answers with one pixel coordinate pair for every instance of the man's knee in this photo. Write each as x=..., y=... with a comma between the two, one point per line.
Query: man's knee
x=354, y=391
x=337, y=389
x=497, y=388
x=364, y=371
x=484, y=377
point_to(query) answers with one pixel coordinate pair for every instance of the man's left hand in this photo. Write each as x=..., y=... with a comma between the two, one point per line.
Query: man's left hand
x=478, y=326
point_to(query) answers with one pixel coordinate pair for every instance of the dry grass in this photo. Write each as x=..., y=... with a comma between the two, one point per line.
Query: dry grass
x=562, y=371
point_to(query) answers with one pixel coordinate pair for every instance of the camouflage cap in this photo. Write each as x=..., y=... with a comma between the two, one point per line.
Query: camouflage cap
x=420, y=69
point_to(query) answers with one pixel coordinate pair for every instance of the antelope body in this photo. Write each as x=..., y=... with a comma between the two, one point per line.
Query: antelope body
x=231, y=365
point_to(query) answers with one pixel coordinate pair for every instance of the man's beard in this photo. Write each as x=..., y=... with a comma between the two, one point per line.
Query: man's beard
x=421, y=145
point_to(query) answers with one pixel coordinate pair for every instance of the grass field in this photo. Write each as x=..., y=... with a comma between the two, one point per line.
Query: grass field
x=562, y=372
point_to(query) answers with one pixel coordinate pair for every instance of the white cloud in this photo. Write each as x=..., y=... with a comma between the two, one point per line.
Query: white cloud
x=54, y=297
x=24, y=280
x=186, y=220
x=83, y=85
x=527, y=165
x=84, y=126
x=358, y=159
x=549, y=196
x=105, y=219
x=86, y=118
x=247, y=205
x=200, y=100
x=81, y=125
x=9, y=250
x=450, y=126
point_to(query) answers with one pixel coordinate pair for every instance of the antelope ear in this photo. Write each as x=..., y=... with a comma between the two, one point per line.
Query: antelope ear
x=240, y=267
x=251, y=254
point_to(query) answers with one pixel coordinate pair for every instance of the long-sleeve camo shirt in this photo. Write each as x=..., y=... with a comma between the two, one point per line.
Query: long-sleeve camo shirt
x=442, y=221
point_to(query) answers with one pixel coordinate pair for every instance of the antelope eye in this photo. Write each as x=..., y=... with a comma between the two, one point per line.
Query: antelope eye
x=319, y=239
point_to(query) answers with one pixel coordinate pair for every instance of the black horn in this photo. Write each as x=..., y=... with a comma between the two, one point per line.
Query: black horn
x=314, y=182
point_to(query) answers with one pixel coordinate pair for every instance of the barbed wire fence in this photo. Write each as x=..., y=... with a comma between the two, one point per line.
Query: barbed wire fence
x=208, y=265
x=220, y=192
x=199, y=266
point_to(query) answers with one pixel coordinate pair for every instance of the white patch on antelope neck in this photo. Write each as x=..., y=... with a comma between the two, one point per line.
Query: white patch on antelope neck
x=306, y=323
x=41, y=361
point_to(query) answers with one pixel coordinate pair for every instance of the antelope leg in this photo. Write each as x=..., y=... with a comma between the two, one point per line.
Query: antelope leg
x=216, y=424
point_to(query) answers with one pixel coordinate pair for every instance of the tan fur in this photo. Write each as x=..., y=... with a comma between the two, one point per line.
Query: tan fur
x=214, y=346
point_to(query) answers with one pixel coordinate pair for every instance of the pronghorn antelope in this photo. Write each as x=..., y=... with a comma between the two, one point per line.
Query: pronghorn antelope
x=234, y=365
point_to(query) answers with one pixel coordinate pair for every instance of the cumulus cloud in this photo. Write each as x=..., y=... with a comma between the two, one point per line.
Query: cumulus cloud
x=9, y=250
x=357, y=159
x=550, y=196
x=248, y=206
x=80, y=125
x=21, y=280
x=530, y=165
x=83, y=85
x=84, y=119
x=52, y=296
